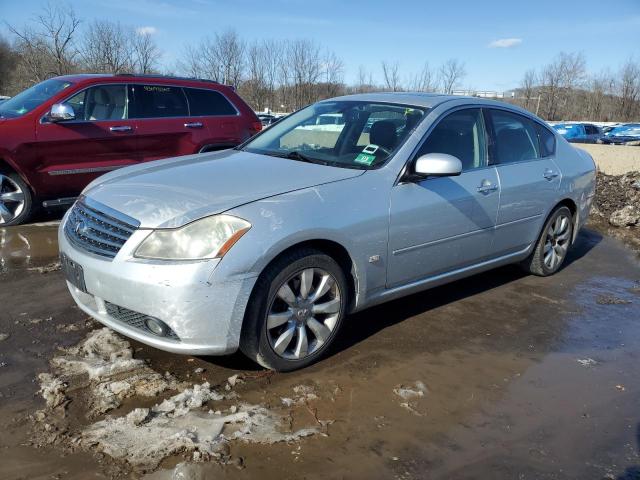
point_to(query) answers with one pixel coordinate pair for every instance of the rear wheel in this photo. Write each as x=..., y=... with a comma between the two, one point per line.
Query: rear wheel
x=295, y=311
x=16, y=200
x=552, y=246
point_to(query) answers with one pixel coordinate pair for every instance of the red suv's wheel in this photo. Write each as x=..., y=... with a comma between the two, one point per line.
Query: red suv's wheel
x=16, y=200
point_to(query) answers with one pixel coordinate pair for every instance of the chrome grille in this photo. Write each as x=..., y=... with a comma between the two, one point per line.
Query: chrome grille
x=133, y=319
x=91, y=228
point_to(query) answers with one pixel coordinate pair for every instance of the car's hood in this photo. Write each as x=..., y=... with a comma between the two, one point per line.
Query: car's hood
x=171, y=193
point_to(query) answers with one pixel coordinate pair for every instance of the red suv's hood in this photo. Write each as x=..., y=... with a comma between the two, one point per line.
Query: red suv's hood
x=171, y=193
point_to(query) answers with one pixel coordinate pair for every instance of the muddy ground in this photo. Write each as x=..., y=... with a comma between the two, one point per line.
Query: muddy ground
x=496, y=376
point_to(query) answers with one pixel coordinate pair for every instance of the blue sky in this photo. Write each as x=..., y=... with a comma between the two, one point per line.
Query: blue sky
x=498, y=40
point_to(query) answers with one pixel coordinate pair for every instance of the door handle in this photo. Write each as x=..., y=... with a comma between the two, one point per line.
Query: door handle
x=193, y=125
x=487, y=187
x=550, y=174
x=121, y=128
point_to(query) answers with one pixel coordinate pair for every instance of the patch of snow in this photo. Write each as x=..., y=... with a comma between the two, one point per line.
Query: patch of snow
x=145, y=437
x=106, y=359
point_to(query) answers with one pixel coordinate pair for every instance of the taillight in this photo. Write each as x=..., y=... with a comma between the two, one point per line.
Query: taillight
x=255, y=127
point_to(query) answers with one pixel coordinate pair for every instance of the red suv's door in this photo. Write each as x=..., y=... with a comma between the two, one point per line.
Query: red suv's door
x=100, y=138
x=164, y=127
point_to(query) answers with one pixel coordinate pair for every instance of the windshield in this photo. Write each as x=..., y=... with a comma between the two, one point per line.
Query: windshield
x=32, y=97
x=348, y=134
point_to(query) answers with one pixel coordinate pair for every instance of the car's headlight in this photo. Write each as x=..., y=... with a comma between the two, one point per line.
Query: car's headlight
x=209, y=237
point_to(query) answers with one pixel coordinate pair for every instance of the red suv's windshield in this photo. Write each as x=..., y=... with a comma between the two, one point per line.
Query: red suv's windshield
x=32, y=97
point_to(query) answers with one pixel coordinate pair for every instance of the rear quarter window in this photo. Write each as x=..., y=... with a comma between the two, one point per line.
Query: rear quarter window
x=208, y=103
x=547, y=141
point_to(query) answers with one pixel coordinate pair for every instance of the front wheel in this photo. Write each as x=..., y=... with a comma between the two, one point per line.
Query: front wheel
x=551, y=249
x=295, y=311
x=16, y=201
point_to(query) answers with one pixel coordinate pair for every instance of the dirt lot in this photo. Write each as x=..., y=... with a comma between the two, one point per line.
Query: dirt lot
x=614, y=159
x=497, y=376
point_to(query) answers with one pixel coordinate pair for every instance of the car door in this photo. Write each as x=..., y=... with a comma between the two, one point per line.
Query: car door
x=220, y=121
x=441, y=224
x=164, y=126
x=100, y=138
x=523, y=153
x=593, y=133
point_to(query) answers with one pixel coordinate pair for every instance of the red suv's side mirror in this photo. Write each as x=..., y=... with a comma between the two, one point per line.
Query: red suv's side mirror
x=61, y=112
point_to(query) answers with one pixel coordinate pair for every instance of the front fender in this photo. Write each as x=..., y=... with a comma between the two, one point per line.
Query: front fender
x=330, y=212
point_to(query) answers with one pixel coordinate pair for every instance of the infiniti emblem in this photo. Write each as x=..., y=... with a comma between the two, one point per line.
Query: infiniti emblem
x=81, y=228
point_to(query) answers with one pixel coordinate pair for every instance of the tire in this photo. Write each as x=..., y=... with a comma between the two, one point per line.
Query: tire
x=553, y=244
x=16, y=200
x=282, y=311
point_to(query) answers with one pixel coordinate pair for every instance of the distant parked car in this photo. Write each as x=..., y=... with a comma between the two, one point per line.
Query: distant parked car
x=266, y=119
x=60, y=134
x=269, y=246
x=622, y=134
x=579, y=132
x=4, y=98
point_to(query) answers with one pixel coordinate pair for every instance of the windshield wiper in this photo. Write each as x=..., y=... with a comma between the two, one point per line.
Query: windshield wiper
x=296, y=155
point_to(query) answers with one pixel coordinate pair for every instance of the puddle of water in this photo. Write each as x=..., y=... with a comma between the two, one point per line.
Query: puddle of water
x=28, y=246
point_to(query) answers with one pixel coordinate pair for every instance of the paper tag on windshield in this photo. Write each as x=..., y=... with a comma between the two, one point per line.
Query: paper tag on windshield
x=370, y=149
x=365, y=159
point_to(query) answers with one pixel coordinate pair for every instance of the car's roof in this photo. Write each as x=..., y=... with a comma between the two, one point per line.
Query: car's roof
x=132, y=77
x=418, y=99
x=427, y=100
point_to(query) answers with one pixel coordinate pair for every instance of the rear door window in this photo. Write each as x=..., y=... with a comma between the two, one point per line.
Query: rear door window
x=208, y=103
x=159, y=101
x=516, y=137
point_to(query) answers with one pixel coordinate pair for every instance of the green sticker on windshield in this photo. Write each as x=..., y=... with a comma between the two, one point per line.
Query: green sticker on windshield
x=365, y=159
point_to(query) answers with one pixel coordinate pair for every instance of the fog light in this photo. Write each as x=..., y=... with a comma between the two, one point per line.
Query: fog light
x=156, y=326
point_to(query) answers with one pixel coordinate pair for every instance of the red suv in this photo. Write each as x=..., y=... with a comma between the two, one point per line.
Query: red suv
x=60, y=134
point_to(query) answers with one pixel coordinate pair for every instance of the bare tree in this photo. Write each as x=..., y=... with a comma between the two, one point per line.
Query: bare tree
x=558, y=79
x=273, y=57
x=108, y=48
x=228, y=50
x=364, y=83
x=600, y=86
x=528, y=85
x=305, y=63
x=190, y=62
x=333, y=74
x=254, y=86
x=146, y=54
x=425, y=81
x=391, y=76
x=8, y=61
x=46, y=46
x=451, y=74
x=628, y=89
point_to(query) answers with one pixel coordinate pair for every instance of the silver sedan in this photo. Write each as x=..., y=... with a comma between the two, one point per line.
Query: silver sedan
x=267, y=247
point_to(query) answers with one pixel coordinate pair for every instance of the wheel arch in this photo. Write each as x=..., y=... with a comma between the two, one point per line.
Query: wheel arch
x=573, y=208
x=8, y=166
x=333, y=249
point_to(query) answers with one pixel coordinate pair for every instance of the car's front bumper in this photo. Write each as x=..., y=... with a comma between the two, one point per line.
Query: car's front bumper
x=204, y=311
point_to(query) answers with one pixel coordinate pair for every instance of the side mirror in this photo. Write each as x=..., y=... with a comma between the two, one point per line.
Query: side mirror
x=438, y=165
x=61, y=112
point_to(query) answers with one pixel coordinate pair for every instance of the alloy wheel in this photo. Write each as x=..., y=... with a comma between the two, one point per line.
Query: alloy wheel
x=303, y=313
x=557, y=241
x=12, y=199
